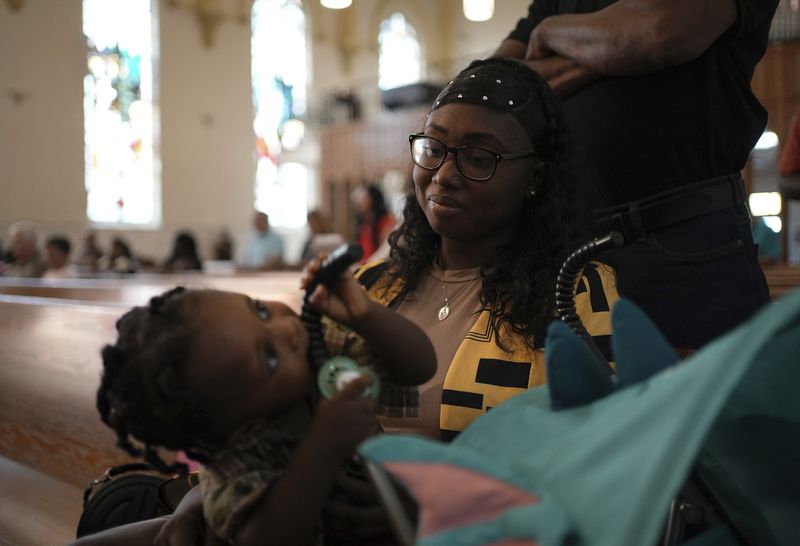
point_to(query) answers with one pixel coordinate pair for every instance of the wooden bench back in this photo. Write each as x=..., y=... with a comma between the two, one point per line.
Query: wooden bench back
x=50, y=369
x=782, y=279
x=277, y=286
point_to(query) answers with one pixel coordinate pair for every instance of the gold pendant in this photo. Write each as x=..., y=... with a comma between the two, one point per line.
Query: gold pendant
x=444, y=311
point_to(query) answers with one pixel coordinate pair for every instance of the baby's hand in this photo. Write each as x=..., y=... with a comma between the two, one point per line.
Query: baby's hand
x=344, y=421
x=344, y=301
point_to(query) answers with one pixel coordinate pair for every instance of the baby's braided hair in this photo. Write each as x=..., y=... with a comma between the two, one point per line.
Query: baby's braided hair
x=142, y=394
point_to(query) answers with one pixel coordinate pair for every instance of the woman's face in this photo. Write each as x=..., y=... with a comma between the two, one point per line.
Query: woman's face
x=465, y=210
x=250, y=359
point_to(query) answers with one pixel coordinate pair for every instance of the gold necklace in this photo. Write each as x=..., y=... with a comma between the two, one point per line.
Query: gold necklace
x=444, y=310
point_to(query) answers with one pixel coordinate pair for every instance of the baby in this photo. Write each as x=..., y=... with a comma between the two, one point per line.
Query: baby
x=226, y=379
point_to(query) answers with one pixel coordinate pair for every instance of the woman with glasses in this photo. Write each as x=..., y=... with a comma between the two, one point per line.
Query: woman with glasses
x=486, y=226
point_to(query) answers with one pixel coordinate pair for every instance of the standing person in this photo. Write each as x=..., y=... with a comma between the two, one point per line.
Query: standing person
x=24, y=258
x=657, y=96
x=264, y=250
x=375, y=222
x=58, y=264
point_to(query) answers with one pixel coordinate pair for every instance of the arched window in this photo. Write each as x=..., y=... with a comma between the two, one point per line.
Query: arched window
x=280, y=78
x=122, y=186
x=399, y=57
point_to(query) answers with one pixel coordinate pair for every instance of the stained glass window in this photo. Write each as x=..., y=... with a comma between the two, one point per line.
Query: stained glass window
x=399, y=57
x=121, y=182
x=280, y=78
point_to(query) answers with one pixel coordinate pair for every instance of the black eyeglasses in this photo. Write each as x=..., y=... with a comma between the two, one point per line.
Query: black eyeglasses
x=473, y=162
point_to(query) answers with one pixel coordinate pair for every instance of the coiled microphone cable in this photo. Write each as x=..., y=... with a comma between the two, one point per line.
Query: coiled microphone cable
x=566, y=282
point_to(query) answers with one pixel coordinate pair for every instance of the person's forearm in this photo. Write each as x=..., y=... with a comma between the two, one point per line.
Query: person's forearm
x=405, y=351
x=634, y=36
x=571, y=81
x=510, y=49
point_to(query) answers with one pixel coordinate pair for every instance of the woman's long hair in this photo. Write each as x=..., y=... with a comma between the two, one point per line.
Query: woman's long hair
x=519, y=283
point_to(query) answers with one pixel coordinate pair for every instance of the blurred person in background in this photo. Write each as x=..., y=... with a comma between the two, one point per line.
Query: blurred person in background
x=90, y=254
x=58, y=250
x=24, y=258
x=375, y=222
x=321, y=238
x=264, y=249
x=185, y=256
x=120, y=259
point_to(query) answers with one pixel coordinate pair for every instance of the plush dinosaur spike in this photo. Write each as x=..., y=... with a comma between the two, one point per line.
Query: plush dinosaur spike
x=640, y=350
x=573, y=372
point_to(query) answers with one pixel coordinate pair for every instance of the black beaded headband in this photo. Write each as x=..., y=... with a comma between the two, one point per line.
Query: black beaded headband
x=501, y=85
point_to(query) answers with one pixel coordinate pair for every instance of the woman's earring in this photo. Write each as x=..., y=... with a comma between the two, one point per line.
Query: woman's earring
x=531, y=191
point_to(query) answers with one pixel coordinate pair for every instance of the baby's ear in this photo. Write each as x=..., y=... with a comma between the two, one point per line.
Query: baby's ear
x=639, y=348
x=574, y=375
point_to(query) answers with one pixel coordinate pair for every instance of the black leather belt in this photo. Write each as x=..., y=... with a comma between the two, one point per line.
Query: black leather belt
x=636, y=219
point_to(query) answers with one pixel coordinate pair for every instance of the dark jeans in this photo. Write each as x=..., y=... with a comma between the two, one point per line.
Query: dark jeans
x=696, y=280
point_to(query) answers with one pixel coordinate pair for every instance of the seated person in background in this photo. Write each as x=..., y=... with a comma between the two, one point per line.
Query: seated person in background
x=24, y=259
x=226, y=379
x=321, y=239
x=223, y=247
x=264, y=250
x=120, y=259
x=184, y=255
x=90, y=254
x=58, y=265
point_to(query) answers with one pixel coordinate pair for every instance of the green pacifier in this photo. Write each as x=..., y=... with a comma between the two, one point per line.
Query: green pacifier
x=339, y=371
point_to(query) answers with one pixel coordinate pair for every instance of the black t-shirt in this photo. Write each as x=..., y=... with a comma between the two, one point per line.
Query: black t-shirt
x=640, y=135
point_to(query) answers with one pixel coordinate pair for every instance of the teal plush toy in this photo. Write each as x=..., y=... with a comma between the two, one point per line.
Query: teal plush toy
x=595, y=460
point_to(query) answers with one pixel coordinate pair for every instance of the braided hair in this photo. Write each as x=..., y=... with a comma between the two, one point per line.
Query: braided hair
x=143, y=394
x=519, y=284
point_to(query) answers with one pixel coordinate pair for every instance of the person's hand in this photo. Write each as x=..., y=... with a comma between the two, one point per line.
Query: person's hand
x=563, y=75
x=344, y=421
x=345, y=301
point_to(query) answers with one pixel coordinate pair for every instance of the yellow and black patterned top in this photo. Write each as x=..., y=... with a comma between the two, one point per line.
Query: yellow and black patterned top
x=483, y=375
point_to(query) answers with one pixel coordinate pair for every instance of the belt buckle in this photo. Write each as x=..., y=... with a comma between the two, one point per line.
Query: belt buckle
x=629, y=223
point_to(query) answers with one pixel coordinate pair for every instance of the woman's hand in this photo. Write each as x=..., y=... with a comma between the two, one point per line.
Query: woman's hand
x=344, y=301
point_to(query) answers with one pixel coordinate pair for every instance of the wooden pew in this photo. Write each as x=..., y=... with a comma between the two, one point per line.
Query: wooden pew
x=137, y=290
x=52, y=442
x=782, y=279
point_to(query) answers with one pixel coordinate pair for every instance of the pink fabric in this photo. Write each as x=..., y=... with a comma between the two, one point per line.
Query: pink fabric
x=460, y=496
x=182, y=458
